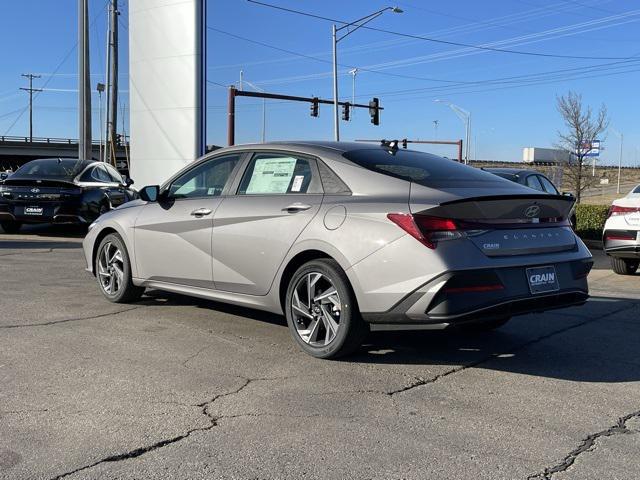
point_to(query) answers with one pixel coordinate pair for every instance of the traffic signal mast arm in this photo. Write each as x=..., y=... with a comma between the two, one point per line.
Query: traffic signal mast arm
x=373, y=106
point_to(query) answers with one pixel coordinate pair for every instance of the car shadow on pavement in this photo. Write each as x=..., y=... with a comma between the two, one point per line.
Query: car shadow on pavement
x=52, y=230
x=37, y=245
x=577, y=347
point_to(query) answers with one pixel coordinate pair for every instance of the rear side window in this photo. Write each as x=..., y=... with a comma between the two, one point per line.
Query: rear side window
x=422, y=168
x=547, y=185
x=533, y=182
x=278, y=174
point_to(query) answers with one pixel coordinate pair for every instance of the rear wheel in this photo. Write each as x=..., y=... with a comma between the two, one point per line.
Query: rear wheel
x=322, y=312
x=11, y=227
x=113, y=271
x=623, y=266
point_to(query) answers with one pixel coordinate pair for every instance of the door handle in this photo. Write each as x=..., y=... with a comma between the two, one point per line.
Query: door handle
x=201, y=212
x=296, y=207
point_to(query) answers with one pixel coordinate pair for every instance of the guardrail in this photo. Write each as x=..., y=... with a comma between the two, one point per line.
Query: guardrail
x=51, y=140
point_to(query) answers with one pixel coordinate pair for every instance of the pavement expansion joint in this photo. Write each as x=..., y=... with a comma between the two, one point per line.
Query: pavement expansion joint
x=419, y=382
x=587, y=445
x=73, y=319
x=204, y=406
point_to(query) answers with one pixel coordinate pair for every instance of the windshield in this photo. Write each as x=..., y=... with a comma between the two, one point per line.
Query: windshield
x=49, y=168
x=422, y=168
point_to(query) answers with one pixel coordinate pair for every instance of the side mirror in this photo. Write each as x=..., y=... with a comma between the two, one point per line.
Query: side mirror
x=150, y=193
x=127, y=181
x=4, y=176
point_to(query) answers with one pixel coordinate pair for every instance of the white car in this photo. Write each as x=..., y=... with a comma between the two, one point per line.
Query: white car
x=621, y=235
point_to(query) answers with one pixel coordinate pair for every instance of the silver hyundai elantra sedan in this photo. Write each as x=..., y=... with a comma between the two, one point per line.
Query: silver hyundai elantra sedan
x=344, y=238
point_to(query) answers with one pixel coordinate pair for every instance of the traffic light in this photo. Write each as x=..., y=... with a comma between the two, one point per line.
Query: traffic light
x=314, y=107
x=345, y=111
x=374, y=111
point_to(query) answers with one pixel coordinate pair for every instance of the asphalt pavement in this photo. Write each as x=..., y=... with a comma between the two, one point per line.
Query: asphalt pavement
x=173, y=387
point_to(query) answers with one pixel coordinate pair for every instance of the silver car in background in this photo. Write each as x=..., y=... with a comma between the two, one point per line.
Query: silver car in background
x=344, y=238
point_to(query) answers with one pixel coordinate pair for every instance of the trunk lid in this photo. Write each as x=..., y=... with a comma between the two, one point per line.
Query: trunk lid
x=517, y=222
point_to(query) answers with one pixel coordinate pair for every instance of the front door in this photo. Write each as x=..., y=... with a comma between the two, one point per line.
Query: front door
x=277, y=197
x=173, y=235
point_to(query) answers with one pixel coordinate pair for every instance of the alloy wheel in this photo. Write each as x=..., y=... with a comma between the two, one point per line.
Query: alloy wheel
x=111, y=269
x=316, y=309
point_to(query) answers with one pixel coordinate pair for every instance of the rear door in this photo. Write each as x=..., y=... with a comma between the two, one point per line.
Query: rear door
x=173, y=235
x=277, y=196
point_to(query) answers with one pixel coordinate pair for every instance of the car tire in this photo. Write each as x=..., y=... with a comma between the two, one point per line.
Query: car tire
x=113, y=271
x=329, y=326
x=11, y=227
x=623, y=266
x=484, y=326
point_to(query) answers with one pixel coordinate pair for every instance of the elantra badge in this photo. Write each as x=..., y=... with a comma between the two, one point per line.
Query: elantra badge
x=35, y=190
x=532, y=211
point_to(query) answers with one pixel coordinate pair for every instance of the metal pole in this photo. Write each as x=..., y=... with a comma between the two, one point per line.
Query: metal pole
x=467, y=140
x=101, y=133
x=335, y=84
x=620, y=160
x=264, y=119
x=84, y=84
x=112, y=95
x=460, y=150
x=231, y=118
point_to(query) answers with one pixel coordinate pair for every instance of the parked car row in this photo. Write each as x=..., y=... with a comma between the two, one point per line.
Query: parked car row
x=342, y=238
x=61, y=190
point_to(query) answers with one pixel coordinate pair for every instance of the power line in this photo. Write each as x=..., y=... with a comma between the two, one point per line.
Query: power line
x=441, y=41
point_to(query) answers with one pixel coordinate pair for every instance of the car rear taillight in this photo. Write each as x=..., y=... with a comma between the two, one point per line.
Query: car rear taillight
x=618, y=210
x=619, y=235
x=426, y=229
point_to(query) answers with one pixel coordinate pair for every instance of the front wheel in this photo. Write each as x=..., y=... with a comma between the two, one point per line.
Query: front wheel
x=322, y=312
x=113, y=271
x=623, y=266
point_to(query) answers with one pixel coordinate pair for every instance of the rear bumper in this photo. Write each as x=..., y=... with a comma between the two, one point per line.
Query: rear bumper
x=51, y=213
x=621, y=248
x=436, y=304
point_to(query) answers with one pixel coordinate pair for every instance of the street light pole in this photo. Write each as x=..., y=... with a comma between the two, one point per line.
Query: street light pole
x=336, y=124
x=465, y=116
x=356, y=24
x=621, y=136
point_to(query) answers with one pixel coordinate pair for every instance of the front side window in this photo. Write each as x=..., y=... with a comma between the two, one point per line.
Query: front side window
x=113, y=173
x=206, y=180
x=276, y=174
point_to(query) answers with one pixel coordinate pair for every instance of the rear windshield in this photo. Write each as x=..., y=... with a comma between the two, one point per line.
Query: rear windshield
x=422, y=168
x=48, y=168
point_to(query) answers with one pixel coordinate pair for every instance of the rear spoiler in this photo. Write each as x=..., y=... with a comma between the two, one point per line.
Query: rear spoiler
x=515, y=206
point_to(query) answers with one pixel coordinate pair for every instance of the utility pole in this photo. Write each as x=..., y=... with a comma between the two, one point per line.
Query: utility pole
x=84, y=83
x=100, y=89
x=30, y=76
x=112, y=84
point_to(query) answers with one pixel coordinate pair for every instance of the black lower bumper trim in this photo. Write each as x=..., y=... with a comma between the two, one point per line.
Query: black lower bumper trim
x=506, y=308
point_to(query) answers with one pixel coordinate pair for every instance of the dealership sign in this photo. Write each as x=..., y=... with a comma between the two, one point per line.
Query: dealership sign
x=590, y=149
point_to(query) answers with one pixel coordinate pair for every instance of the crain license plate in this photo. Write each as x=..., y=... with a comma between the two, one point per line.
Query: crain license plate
x=542, y=279
x=33, y=210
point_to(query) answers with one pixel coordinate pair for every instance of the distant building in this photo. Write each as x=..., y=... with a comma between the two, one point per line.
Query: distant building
x=545, y=155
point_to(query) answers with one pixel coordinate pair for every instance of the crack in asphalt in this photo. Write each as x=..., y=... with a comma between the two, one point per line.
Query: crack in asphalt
x=587, y=445
x=74, y=319
x=419, y=381
x=204, y=406
x=49, y=250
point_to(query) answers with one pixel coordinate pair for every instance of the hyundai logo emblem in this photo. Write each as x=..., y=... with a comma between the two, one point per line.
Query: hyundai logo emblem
x=532, y=211
x=35, y=190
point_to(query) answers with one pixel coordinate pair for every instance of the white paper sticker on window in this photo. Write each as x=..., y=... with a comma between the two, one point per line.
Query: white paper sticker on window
x=297, y=183
x=271, y=175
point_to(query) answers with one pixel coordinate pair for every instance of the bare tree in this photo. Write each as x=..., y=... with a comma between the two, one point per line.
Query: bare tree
x=582, y=127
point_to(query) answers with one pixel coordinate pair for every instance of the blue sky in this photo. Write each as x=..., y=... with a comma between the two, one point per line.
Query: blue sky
x=506, y=116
